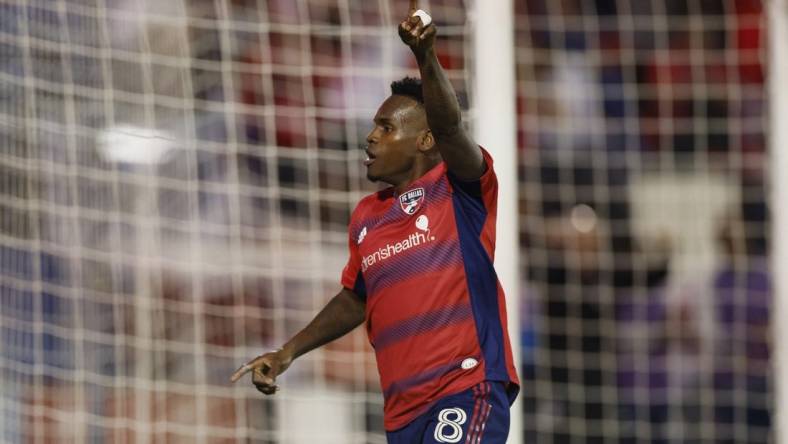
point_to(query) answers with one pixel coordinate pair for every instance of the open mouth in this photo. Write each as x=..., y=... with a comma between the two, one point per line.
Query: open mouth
x=370, y=159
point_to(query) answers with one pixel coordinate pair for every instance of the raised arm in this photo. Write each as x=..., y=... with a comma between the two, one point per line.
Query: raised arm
x=461, y=154
x=343, y=313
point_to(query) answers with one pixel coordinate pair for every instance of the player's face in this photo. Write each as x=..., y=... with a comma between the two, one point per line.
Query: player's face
x=392, y=144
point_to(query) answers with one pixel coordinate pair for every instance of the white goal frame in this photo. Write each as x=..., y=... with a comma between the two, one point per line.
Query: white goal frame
x=494, y=103
x=778, y=95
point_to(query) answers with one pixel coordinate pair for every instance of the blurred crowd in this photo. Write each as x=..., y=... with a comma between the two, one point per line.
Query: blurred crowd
x=647, y=305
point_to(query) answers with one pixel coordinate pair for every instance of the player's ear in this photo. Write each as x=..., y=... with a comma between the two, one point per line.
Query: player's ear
x=425, y=142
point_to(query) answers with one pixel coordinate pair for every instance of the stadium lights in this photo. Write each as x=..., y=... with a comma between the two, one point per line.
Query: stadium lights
x=583, y=218
x=136, y=145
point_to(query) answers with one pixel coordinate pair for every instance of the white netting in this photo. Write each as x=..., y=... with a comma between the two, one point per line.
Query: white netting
x=175, y=182
x=642, y=127
x=176, y=176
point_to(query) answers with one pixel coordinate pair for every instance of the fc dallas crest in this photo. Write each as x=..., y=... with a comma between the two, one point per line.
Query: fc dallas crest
x=411, y=200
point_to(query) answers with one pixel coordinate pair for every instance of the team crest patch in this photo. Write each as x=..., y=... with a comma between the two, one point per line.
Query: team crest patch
x=411, y=200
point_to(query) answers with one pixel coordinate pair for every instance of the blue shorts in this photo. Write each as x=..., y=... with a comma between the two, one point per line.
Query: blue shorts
x=477, y=415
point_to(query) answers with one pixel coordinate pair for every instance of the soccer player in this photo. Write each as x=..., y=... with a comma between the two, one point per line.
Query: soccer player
x=421, y=269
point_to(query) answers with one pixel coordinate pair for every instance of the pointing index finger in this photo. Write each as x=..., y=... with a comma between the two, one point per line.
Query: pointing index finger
x=414, y=6
x=244, y=369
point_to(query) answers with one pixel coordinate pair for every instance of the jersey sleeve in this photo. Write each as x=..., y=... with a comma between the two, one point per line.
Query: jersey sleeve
x=477, y=203
x=352, y=278
x=489, y=181
x=484, y=189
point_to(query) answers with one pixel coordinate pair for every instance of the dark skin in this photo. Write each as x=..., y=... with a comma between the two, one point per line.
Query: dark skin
x=407, y=141
x=343, y=313
x=461, y=154
x=400, y=147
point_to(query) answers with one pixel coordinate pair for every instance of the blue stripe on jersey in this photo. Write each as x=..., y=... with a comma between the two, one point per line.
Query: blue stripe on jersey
x=422, y=323
x=434, y=256
x=405, y=384
x=470, y=215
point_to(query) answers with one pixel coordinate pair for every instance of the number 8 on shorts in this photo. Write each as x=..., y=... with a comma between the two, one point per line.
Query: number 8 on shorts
x=449, y=427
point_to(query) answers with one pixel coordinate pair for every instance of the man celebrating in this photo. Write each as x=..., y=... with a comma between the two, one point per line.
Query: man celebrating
x=421, y=269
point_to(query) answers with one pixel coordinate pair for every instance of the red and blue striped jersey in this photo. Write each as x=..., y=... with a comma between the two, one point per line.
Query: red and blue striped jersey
x=435, y=311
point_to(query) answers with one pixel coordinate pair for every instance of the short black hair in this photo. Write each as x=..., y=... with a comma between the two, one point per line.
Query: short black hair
x=409, y=87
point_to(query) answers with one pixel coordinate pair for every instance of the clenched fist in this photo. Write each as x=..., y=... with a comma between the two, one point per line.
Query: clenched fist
x=413, y=33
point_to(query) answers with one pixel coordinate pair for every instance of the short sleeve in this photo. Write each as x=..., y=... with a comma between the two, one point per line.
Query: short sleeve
x=476, y=204
x=352, y=277
x=488, y=181
x=484, y=188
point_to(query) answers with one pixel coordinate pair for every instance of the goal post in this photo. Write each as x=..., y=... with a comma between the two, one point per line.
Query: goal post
x=778, y=86
x=495, y=113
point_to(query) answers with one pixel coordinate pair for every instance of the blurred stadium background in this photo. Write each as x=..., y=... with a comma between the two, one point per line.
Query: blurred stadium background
x=176, y=178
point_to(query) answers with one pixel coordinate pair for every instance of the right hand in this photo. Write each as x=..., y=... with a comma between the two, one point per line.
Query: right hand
x=413, y=33
x=265, y=369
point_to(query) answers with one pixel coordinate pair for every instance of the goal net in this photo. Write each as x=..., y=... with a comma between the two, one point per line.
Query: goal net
x=643, y=187
x=176, y=179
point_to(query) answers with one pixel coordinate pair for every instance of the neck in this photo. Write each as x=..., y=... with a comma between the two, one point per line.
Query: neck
x=419, y=170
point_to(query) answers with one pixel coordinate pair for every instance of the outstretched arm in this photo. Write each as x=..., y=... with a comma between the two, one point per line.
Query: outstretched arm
x=461, y=154
x=342, y=314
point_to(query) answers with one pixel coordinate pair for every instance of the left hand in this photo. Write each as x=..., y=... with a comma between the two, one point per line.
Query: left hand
x=413, y=33
x=265, y=369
